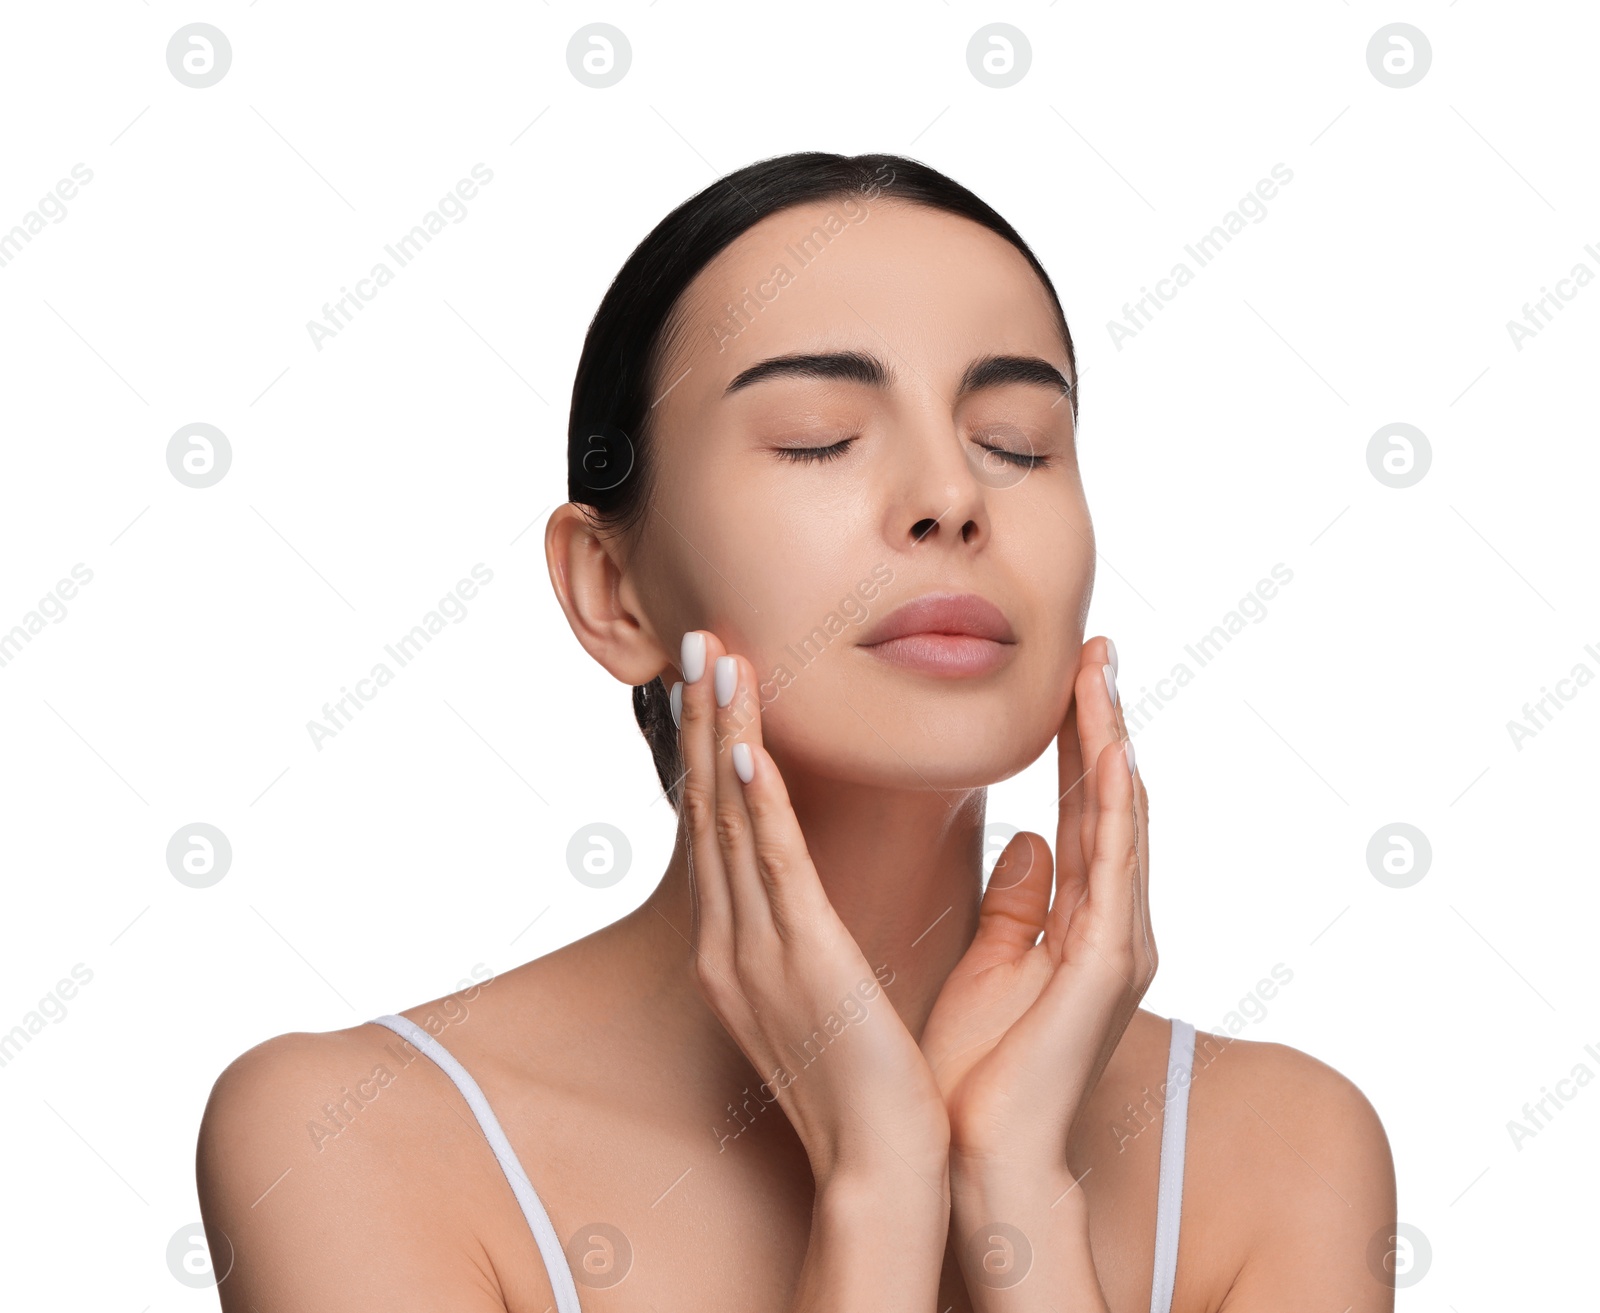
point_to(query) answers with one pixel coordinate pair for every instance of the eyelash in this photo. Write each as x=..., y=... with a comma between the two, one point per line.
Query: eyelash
x=838, y=449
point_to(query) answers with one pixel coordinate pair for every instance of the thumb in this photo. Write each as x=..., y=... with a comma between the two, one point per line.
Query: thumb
x=1012, y=913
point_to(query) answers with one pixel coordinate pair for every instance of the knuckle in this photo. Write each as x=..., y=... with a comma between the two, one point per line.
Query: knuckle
x=775, y=862
x=749, y=959
x=712, y=978
x=1119, y=959
x=731, y=826
x=697, y=803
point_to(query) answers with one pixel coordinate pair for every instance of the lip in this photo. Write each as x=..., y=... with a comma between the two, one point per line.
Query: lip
x=943, y=613
x=944, y=634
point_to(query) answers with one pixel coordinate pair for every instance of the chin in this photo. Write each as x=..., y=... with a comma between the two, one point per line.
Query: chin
x=912, y=745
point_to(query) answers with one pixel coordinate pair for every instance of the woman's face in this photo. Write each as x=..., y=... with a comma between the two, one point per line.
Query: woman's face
x=792, y=561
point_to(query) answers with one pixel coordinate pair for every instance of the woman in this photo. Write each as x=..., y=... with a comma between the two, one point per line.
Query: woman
x=823, y=484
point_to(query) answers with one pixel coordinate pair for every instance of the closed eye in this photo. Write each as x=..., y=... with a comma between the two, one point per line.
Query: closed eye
x=838, y=449
x=1022, y=459
x=815, y=453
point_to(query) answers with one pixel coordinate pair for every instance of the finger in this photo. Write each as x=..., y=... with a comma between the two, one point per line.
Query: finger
x=1072, y=785
x=752, y=908
x=1094, y=691
x=1114, y=865
x=1140, y=824
x=1141, y=814
x=794, y=892
x=1015, y=903
x=710, y=883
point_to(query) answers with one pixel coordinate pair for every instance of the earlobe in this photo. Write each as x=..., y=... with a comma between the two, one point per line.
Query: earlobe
x=596, y=599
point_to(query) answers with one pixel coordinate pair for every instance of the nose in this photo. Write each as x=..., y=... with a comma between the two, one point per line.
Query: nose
x=944, y=497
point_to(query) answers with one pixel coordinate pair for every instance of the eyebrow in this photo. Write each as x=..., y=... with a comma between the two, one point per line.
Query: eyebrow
x=862, y=367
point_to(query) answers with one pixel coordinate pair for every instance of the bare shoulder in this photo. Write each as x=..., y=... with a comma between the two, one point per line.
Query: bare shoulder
x=1295, y=1164
x=321, y=1166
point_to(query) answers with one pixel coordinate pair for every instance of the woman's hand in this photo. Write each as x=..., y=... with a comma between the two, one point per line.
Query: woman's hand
x=1021, y=1031
x=778, y=966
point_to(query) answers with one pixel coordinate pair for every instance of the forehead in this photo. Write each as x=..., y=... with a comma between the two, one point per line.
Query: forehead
x=924, y=289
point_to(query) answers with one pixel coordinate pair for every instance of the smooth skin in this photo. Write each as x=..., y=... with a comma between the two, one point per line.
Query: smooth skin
x=1002, y=1072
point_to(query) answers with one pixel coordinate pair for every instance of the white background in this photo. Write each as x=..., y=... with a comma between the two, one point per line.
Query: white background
x=1229, y=435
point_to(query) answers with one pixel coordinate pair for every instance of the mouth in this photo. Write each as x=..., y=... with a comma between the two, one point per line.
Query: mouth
x=950, y=634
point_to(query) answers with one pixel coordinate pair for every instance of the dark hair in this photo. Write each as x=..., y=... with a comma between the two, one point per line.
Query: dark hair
x=638, y=323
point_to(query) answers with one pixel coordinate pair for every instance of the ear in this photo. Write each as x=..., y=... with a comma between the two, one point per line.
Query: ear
x=598, y=600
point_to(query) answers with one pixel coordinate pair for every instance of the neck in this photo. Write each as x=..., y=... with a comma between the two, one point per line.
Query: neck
x=902, y=869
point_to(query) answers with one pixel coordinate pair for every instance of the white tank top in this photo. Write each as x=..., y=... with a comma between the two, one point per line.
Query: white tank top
x=1169, y=1192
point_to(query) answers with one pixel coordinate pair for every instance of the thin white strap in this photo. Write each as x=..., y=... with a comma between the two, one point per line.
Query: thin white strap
x=555, y=1258
x=1169, y=1194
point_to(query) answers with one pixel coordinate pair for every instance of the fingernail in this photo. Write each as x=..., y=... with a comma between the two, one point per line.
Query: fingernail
x=692, y=656
x=1127, y=751
x=727, y=675
x=1111, y=653
x=744, y=764
x=1111, y=683
x=677, y=704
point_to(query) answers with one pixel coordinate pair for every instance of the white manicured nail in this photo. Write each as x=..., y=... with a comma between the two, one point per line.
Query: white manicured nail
x=1111, y=653
x=727, y=675
x=677, y=704
x=744, y=765
x=1127, y=749
x=692, y=656
x=1111, y=683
